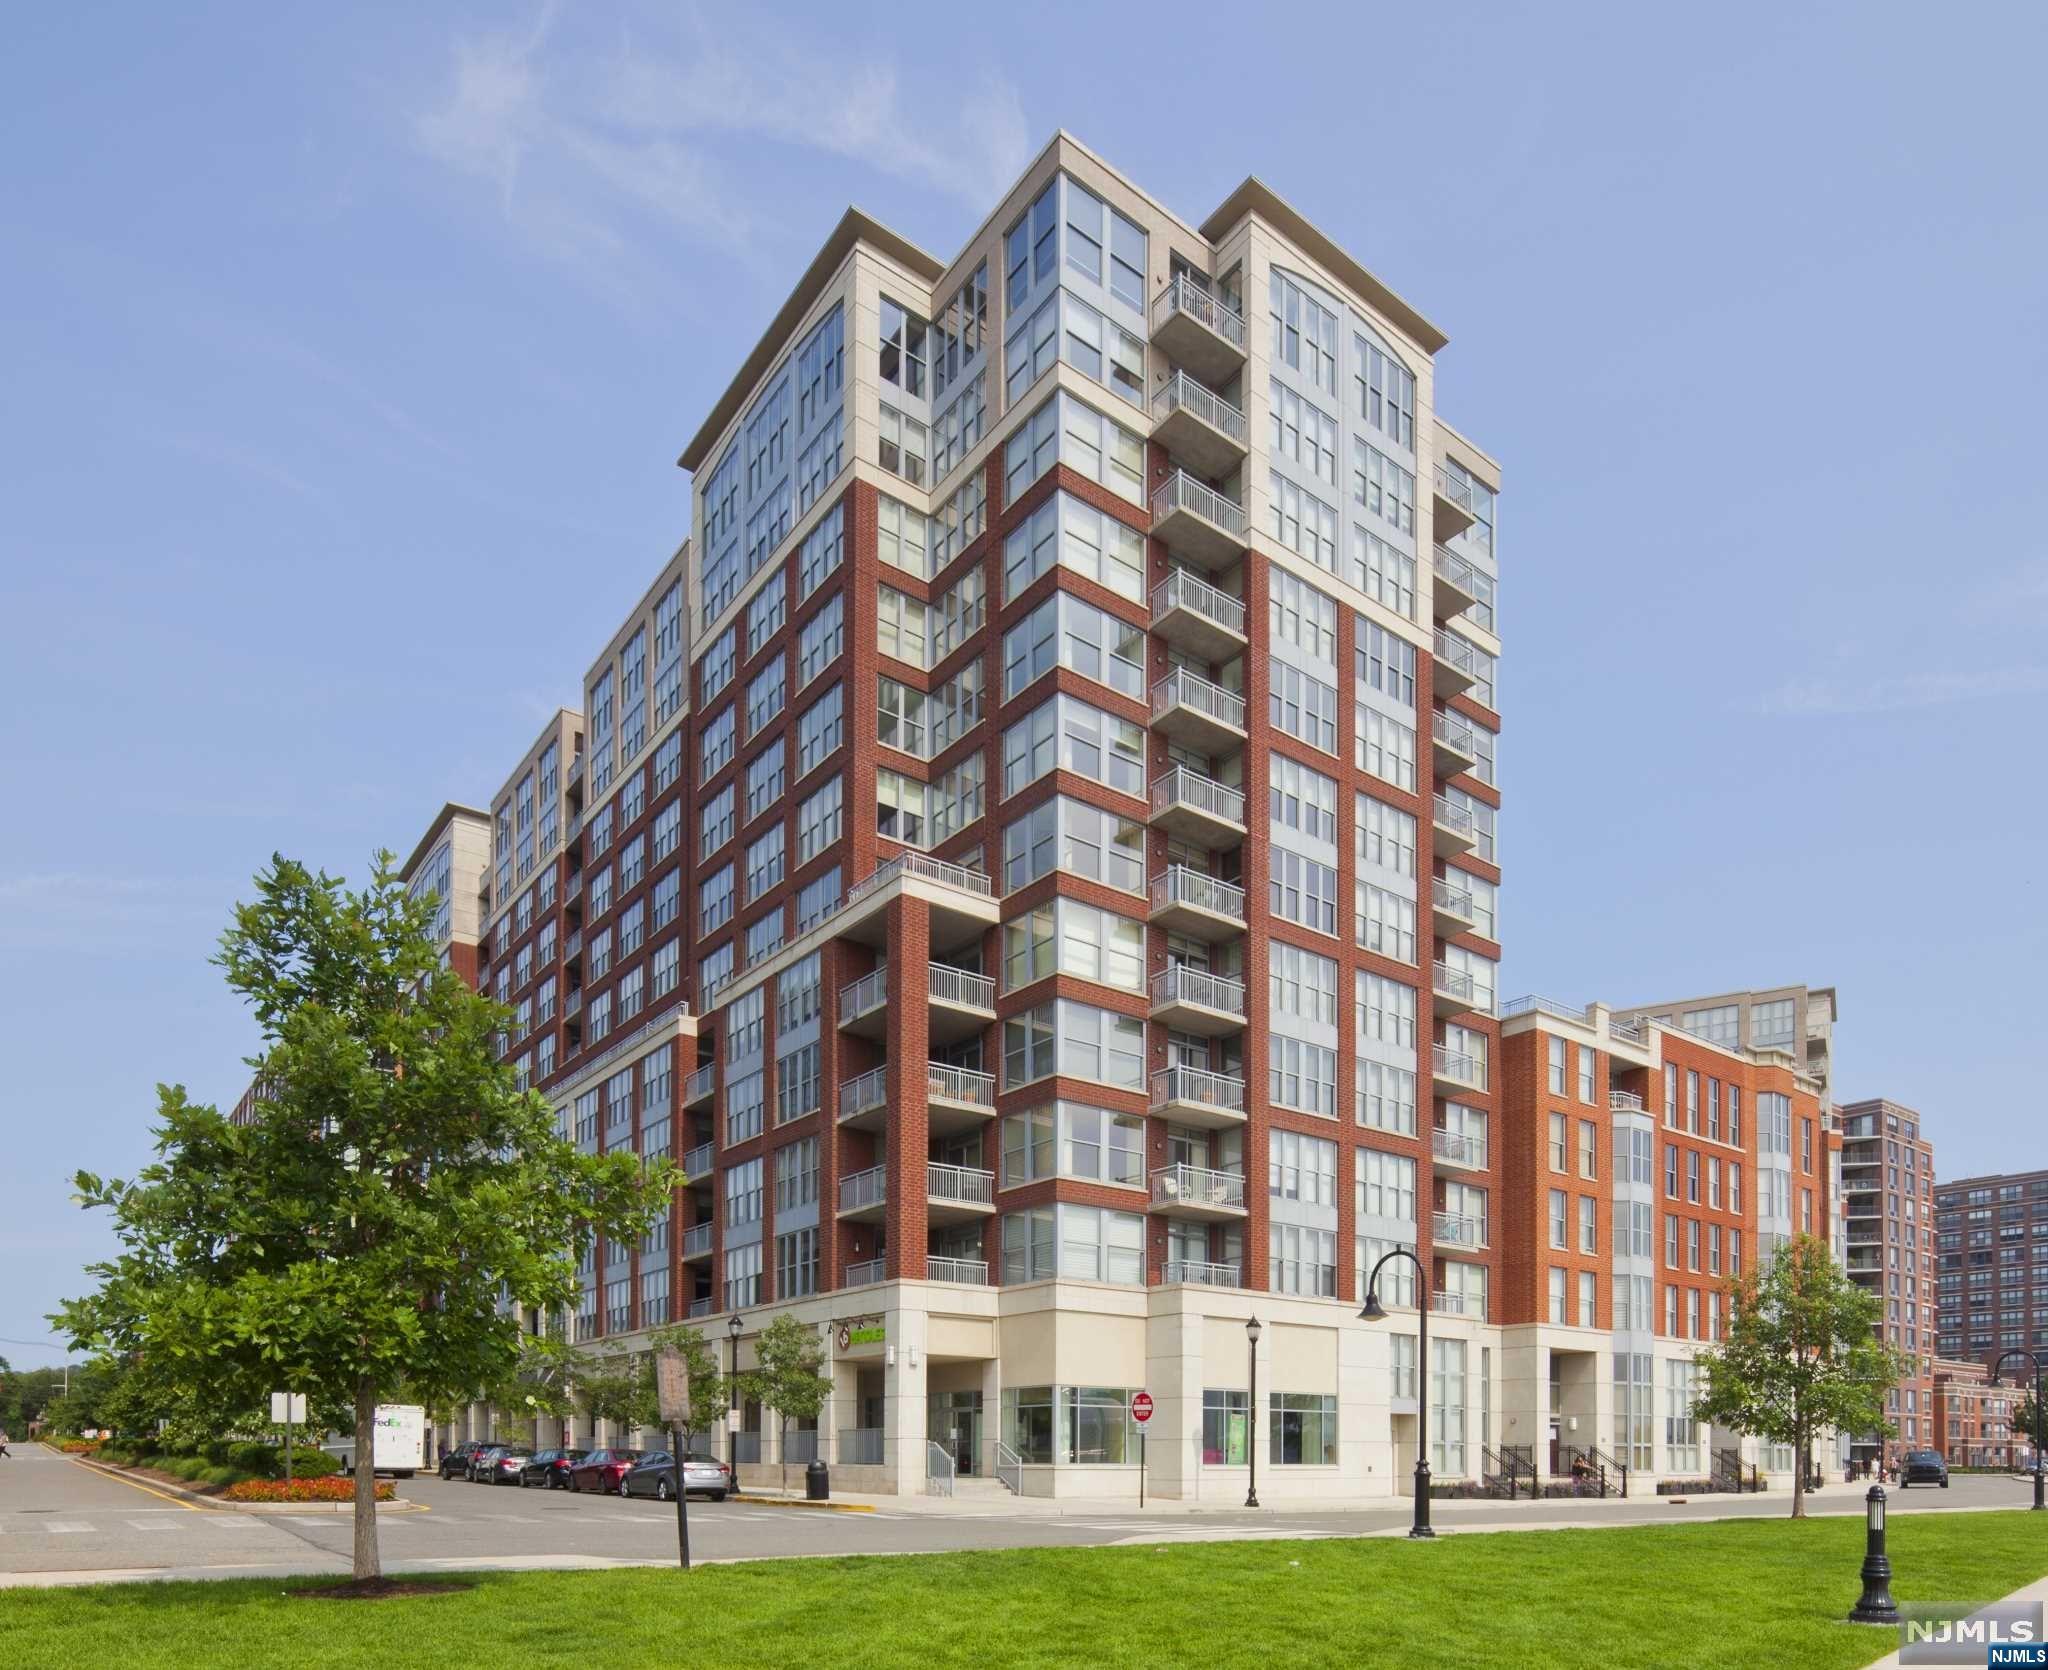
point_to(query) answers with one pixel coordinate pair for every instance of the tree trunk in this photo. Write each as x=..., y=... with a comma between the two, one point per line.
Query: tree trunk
x=1799, y=1474
x=367, y=1565
x=784, y=1447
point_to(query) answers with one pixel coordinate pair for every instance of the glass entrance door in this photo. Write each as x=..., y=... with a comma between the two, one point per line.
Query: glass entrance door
x=955, y=1425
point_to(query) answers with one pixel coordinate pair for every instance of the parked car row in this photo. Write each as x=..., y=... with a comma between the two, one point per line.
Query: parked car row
x=607, y=1472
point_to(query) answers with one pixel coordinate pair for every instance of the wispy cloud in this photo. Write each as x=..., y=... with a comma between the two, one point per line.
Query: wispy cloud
x=1830, y=697
x=594, y=154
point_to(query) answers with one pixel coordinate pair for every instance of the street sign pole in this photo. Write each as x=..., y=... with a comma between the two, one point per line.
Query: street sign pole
x=672, y=1391
x=682, y=1500
x=1141, y=1412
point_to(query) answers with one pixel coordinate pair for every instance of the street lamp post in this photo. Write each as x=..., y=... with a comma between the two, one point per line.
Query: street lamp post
x=732, y=1433
x=1374, y=1313
x=1875, y=1605
x=1252, y=1330
x=2040, y=1413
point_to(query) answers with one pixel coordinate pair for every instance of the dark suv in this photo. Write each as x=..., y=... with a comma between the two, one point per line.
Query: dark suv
x=455, y=1463
x=550, y=1469
x=1923, y=1467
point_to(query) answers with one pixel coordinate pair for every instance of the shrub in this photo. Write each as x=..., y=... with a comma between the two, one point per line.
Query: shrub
x=80, y=1446
x=302, y=1490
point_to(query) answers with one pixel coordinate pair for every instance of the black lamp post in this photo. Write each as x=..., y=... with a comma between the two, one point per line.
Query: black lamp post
x=1875, y=1605
x=1373, y=1313
x=732, y=1433
x=2040, y=1413
x=1252, y=1330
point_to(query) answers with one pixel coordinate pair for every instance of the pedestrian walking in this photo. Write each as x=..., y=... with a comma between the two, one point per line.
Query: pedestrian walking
x=4, y=1451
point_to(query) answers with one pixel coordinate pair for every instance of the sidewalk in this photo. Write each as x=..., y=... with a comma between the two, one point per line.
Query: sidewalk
x=1832, y=1497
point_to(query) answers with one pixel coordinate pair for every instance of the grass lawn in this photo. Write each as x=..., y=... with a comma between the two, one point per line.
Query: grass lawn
x=1746, y=1592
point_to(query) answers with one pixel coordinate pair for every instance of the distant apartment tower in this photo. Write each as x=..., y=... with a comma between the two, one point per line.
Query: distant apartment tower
x=1991, y=1255
x=1888, y=1201
x=1973, y=1419
x=1800, y=1019
x=449, y=863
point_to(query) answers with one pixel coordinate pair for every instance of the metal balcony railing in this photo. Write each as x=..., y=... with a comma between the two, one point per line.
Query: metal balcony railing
x=1455, y=817
x=870, y=991
x=1184, y=1185
x=1197, y=1084
x=1182, y=590
x=1183, y=393
x=926, y=867
x=1459, y=1068
x=1458, y=571
x=1624, y=1101
x=864, y=1188
x=1453, y=651
x=866, y=1271
x=572, y=945
x=960, y=1084
x=1456, y=1229
x=967, y=1184
x=1448, y=895
x=1458, y=492
x=1457, y=1304
x=1465, y=988
x=701, y=1307
x=860, y=1446
x=1180, y=885
x=1181, y=491
x=1532, y=1005
x=961, y=987
x=698, y=1162
x=1181, y=984
x=972, y=1271
x=1454, y=732
x=1200, y=1274
x=1181, y=688
x=1458, y=1148
x=870, y=1090
x=701, y=1082
x=1183, y=787
x=1203, y=306
x=696, y=1239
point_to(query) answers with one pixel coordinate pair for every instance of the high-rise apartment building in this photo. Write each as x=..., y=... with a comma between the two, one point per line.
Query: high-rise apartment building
x=1800, y=1019
x=1888, y=1199
x=1991, y=1261
x=1640, y=1167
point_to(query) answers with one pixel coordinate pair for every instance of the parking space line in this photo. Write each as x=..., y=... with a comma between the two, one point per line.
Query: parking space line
x=67, y=1528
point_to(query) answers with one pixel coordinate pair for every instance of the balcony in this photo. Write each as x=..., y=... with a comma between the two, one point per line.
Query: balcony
x=1190, y=1000
x=1455, y=1148
x=1197, y=809
x=699, y=1087
x=1458, y=584
x=864, y=1101
x=1189, y=902
x=1452, y=744
x=1457, y=663
x=864, y=1004
x=572, y=1004
x=701, y=1307
x=962, y=901
x=1624, y=1101
x=957, y=1098
x=574, y=775
x=1198, y=523
x=1452, y=1071
x=1197, y=618
x=1453, y=830
x=1451, y=906
x=572, y=947
x=1190, y=710
x=1455, y=1229
x=954, y=1193
x=1445, y=1303
x=1196, y=1192
x=1199, y=427
x=1459, y=993
x=1452, y=508
x=962, y=1003
x=969, y=1272
x=865, y=1194
x=698, y=1162
x=1199, y=330
x=1196, y=1096
x=696, y=1242
x=866, y=1274
x=1196, y=1273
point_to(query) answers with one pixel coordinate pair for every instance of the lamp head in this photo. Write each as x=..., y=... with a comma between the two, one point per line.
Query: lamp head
x=732, y=1325
x=1374, y=1311
x=1252, y=1330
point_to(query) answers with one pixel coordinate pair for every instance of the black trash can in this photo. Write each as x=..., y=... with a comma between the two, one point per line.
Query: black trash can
x=817, y=1482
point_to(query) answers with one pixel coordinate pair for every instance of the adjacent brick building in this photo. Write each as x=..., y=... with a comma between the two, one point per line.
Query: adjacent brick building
x=1888, y=1200
x=1991, y=1261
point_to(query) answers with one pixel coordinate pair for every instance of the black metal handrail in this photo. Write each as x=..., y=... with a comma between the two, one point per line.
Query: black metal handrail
x=1510, y=1462
x=1608, y=1465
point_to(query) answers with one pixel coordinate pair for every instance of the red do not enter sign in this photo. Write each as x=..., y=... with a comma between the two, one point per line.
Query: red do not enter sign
x=1141, y=1407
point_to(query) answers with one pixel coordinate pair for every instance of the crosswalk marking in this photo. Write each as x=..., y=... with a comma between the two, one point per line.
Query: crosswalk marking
x=156, y=1524
x=67, y=1528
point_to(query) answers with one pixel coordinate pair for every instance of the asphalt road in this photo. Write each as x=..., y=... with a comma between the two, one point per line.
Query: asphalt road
x=63, y=1522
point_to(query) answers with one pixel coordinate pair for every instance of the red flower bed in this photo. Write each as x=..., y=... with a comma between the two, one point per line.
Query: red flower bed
x=302, y=1490
x=79, y=1446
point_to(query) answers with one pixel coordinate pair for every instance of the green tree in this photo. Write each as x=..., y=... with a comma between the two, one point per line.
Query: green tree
x=786, y=1379
x=2026, y=1423
x=617, y=1388
x=394, y=1204
x=1801, y=1356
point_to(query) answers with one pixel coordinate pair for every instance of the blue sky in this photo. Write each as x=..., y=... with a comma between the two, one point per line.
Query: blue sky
x=348, y=353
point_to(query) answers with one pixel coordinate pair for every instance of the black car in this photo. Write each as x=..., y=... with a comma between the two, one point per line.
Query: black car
x=1923, y=1467
x=550, y=1469
x=455, y=1462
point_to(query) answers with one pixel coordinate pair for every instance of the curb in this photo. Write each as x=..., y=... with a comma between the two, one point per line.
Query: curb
x=793, y=1502
x=213, y=1504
